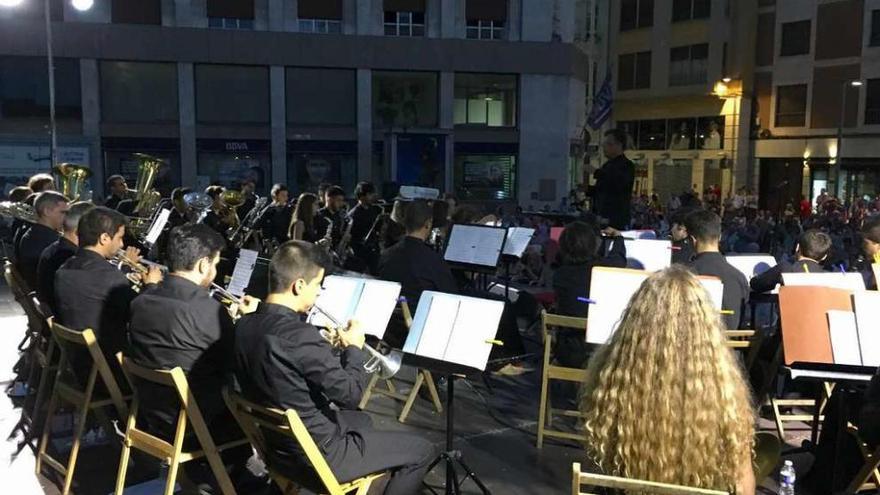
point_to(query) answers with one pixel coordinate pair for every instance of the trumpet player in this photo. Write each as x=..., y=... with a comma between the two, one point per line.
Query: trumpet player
x=282, y=362
x=58, y=252
x=51, y=207
x=118, y=191
x=178, y=323
x=92, y=293
x=220, y=217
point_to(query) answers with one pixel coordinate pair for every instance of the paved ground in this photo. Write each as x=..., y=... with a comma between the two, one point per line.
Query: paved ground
x=494, y=430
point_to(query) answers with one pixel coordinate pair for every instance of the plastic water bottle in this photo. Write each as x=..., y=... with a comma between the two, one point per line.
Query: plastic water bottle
x=786, y=479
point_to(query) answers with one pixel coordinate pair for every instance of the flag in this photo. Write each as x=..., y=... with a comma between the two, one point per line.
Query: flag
x=602, y=103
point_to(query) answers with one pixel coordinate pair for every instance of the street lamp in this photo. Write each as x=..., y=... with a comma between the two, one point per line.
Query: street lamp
x=838, y=157
x=82, y=6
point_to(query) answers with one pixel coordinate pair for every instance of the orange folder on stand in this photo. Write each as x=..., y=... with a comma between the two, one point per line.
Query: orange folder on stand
x=803, y=311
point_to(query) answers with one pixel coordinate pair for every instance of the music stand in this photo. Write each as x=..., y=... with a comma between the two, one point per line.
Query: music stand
x=454, y=347
x=474, y=248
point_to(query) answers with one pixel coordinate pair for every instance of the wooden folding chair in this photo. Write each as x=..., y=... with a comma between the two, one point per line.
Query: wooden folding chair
x=423, y=377
x=780, y=417
x=630, y=485
x=255, y=420
x=68, y=390
x=42, y=358
x=868, y=477
x=171, y=454
x=553, y=372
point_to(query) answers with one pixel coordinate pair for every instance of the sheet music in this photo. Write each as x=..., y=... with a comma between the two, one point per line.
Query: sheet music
x=846, y=281
x=376, y=304
x=829, y=375
x=639, y=234
x=158, y=226
x=751, y=265
x=518, y=239
x=867, y=310
x=715, y=287
x=241, y=274
x=611, y=289
x=477, y=322
x=647, y=254
x=440, y=318
x=844, y=337
x=475, y=245
x=338, y=297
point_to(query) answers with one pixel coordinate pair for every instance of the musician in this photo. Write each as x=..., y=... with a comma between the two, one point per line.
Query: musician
x=18, y=226
x=92, y=293
x=682, y=246
x=180, y=212
x=249, y=198
x=363, y=217
x=812, y=249
x=178, y=323
x=21, y=226
x=220, y=217
x=275, y=221
x=58, y=252
x=871, y=249
x=50, y=208
x=704, y=227
x=41, y=182
x=302, y=224
x=118, y=191
x=331, y=218
x=283, y=362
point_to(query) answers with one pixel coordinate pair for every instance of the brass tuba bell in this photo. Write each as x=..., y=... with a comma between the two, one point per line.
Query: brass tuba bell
x=147, y=198
x=72, y=177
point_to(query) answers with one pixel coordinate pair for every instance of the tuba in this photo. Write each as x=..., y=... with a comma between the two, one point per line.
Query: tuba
x=232, y=199
x=147, y=198
x=19, y=211
x=198, y=203
x=72, y=177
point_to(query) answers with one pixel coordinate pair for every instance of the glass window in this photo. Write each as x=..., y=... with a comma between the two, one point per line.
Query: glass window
x=308, y=169
x=652, y=134
x=321, y=96
x=875, y=28
x=322, y=26
x=636, y=14
x=485, y=99
x=791, y=105
x=682, y=133
x=485, y=177
x=710, y=132
x=685, y=10
x=688, y=65
x=631, y=128
x=138, y=92
x=244, y=160
x=24, y=88
x=872, y=102
x=230, y=23
x=139, y=12
x=795, y=38
x=232, y=93
x=634, y=71
x=485, y=30
x=404, y=23
x=404, y=99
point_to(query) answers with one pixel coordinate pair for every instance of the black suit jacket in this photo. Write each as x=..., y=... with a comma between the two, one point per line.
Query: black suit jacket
x=417, y=268
x=612, y=191
x=736, y=288
x=50, y=261
x=31, y=247
x=767, y=281
x=573, y=280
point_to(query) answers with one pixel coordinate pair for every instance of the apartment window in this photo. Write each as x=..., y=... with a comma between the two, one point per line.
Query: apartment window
x=872, y=102
x=24, y=88
x=139, y=12
x=634, y=71
x=685, y=10
x=317, y=96
x=791, y=105
x=138, y=92
x=232, y=94
x=404, y=23
x=231, y=14
x=485, y=100
x=485, y=30
x=319, y=16
x=636, y=14
x=687, y=64
x=875, y=28
x=795, y=38
x=404, y=99
x=486, y=19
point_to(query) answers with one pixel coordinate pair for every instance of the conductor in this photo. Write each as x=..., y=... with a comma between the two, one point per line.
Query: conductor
x=614, y=182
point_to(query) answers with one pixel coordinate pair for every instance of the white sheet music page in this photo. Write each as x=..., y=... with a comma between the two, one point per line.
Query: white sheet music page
x=844, y=337
x=241, y=274
x=376, y=305
x=518, y=239
x=715, y=287
x=158, y=226
x=648, y=254
x=338, y=297
x=752, y=264
x=474, y=245
x=867, y=309
x=611, y=289
x=845, y=281
x=477, y=323
x=442, y=311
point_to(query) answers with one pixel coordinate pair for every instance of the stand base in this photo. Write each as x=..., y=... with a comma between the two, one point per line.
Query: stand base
x=454, y=461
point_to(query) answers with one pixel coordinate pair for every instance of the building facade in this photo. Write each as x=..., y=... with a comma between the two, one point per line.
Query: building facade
x=482, y=98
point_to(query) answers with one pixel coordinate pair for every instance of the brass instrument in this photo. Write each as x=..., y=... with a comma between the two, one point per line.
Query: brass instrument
x=199, y=204
x=72, y=178
x=239, y=235
x=147, y=198
x=231, y=200
x=138, y=270
x=385, y=365
x=19, y=211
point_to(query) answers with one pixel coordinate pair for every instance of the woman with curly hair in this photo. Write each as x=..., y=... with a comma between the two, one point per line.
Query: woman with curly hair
x=665, y=399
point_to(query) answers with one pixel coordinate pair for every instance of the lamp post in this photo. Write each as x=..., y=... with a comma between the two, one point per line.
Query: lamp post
x=839, y=157
x=82, y=6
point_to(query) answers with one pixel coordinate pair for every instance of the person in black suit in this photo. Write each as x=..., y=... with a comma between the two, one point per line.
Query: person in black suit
x=51, y=207
x=58, y=252
x=612, y=192
x=704, y=227
x=363, y=217
x=118, y=191
x=274, y=223
x=178, y=323
x=682, y=245
x=283, y=362
x=812, y=249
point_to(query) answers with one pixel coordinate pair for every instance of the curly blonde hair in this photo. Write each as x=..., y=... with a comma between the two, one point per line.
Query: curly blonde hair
x=665, y=399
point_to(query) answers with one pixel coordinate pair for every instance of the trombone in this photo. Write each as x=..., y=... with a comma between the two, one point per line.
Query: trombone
x=385, y=365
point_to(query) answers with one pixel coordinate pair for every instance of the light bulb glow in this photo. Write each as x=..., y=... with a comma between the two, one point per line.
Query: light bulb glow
x=82, y=5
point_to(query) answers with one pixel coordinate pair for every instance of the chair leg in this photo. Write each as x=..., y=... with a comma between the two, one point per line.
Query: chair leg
x=411, y=398
x=542, y=410
x=123, y=468
x=47, y=427
x=432, y=389
x=364, y=488
x=777, y=416
x=74, y=449
x=368, y=392
x=46, y=381
x=171, y=476
x=219, y=473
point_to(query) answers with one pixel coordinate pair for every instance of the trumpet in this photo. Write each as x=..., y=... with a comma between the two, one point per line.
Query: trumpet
x=385, y=365
x=138, y=269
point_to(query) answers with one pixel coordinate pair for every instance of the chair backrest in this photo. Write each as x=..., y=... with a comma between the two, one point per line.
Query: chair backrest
x=559, y=321
x=13, y=279
x=630, y=485
x=738, y=339
x=254, y=418
x=68, y=341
